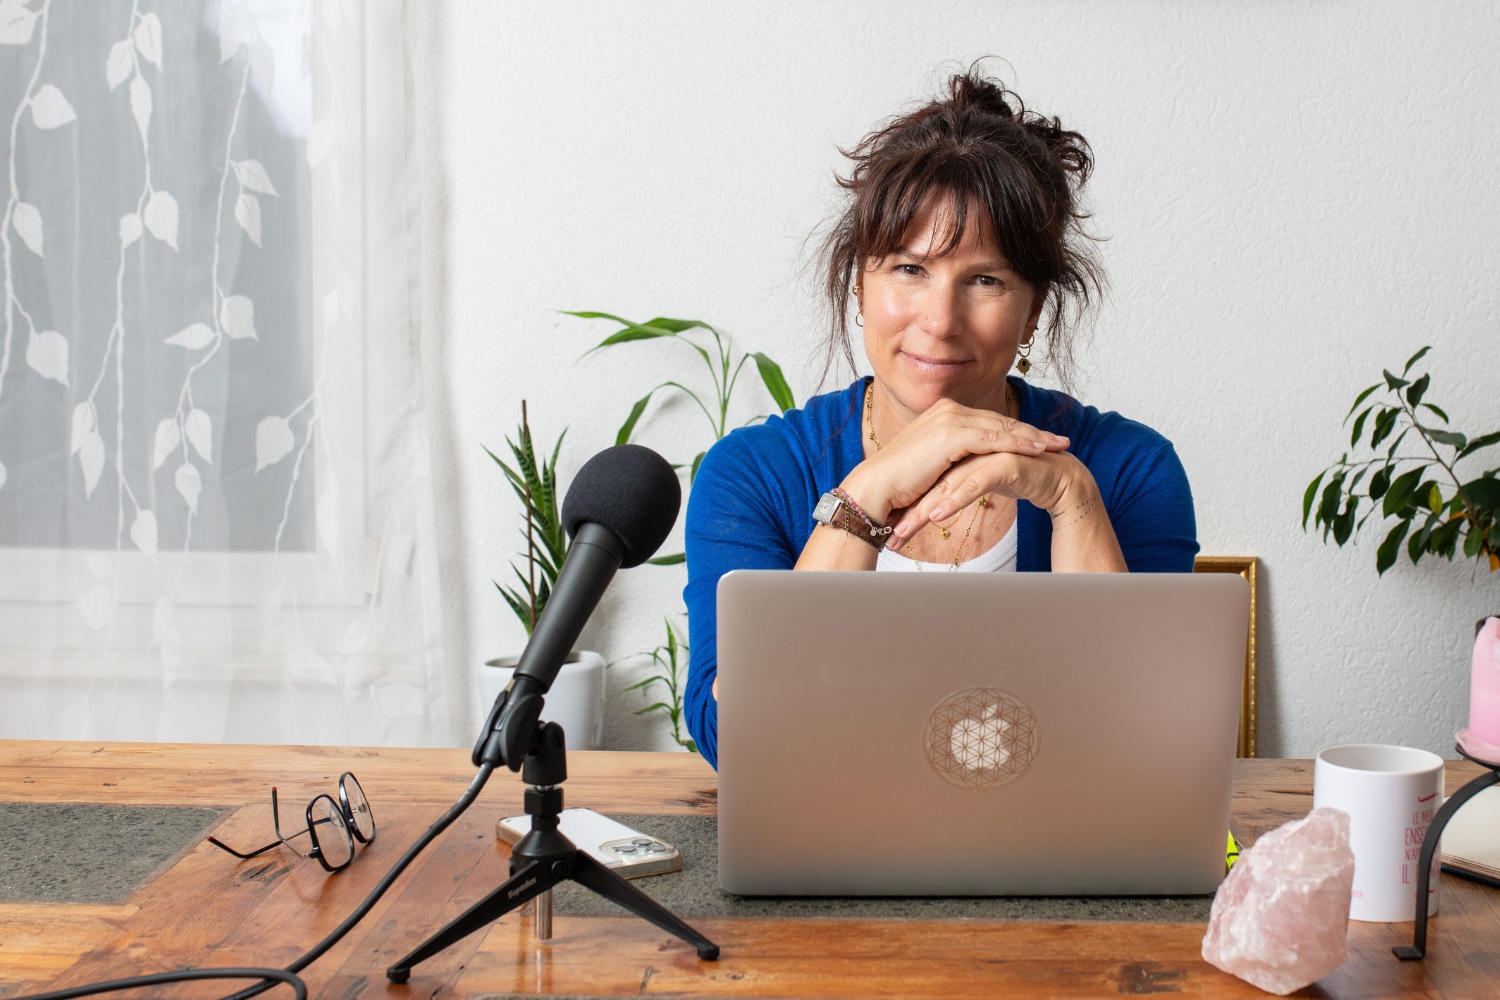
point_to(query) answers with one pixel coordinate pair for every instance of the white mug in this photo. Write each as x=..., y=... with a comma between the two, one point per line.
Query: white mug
x=1391, y=794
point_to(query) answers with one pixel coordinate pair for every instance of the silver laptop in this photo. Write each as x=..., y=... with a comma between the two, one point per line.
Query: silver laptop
x=977, y=734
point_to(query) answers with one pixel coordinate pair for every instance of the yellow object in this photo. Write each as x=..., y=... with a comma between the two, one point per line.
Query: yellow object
x=1231, y=852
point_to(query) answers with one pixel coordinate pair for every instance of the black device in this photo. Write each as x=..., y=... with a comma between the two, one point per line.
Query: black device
x=621, y=506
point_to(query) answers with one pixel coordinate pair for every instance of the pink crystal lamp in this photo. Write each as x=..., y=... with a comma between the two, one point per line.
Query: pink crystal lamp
x=1479, y=741
x=1481, y=738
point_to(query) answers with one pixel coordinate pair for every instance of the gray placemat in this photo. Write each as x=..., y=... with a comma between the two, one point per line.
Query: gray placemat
x=70, y=852
x=694, y=892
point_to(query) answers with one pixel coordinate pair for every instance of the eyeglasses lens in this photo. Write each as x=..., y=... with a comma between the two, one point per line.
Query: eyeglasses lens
x=359, y=808
x=334, y=840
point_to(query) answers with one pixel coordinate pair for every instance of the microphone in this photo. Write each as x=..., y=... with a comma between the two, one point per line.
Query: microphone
x=619, y=510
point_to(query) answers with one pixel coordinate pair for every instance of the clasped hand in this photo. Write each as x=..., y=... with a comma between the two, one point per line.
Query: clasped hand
x=950, y=456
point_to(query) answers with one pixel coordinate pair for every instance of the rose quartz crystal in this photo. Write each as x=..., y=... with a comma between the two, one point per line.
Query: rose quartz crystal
x=1281, y=919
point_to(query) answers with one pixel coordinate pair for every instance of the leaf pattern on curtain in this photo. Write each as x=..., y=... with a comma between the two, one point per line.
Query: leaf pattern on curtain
x=185, y=249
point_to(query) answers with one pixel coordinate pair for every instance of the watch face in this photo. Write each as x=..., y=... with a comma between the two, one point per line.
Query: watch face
x=825, y=509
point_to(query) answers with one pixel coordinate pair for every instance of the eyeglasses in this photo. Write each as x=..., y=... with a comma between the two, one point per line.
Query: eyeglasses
x=341, y=823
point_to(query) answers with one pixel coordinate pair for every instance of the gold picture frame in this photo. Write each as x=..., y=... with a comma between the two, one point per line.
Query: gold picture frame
x=1245, y=566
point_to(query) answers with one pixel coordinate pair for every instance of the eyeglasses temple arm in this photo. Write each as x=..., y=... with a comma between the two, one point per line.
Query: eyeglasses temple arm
x=255, y=853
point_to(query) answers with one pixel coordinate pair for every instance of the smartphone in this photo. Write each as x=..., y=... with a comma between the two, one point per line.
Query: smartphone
x=630, y=853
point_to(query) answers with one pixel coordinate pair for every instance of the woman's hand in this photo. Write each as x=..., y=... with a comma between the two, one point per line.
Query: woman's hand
x=1083, y=540
x=928, y=451
x=1046, y=479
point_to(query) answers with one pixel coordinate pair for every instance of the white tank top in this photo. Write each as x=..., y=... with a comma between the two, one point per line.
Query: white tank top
x=1001, y=558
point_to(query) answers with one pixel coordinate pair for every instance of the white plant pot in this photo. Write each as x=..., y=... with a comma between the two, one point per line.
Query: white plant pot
x=575, y=701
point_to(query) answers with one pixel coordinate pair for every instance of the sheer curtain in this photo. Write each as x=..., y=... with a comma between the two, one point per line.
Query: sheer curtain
x=215, y=514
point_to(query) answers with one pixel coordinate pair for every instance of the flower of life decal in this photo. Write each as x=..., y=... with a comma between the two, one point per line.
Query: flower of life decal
x=981, y=738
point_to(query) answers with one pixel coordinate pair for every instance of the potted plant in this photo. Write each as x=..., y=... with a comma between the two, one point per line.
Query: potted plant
x=724, y=368
x=1437, y=508
x=576, y=699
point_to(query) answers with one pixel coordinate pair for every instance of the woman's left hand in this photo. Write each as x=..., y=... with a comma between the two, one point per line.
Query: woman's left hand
x=1047, y=480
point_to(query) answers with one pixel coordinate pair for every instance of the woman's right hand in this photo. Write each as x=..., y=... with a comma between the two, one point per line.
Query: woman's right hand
x=917, y=458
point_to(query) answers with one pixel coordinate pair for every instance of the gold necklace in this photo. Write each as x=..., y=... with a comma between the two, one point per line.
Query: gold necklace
x=984, y=501
x=870, y=411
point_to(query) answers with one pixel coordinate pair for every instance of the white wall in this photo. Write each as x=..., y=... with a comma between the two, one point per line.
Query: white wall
x=1296, y=196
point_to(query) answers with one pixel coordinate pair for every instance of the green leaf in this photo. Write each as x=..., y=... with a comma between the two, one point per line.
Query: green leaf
x=1401, y=490
x=1328, y=506
x=1483, y=493
x=1393, y=381
x=770, y=374
x=1434, y=498
x=1360, y=399
x=1417, y=544
x=1416, y=389
x=1436, y=409
x=630, y=333
x=1414, y=359
x=677, y=325
x=674, y=559
x=1472, y=542
x=1380, y=482
x=1483, y=441
x=697, y=461
x=1359, y=426
x=598, y=315
x=1343, y=525
x=1384, y=424
x=1444, y=540
x=1452, y=439
x=1385, y=558
x=1307, y=497
x=1390, y=452
x=628, y=427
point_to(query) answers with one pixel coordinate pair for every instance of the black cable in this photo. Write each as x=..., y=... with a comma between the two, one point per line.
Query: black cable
x=270, y=977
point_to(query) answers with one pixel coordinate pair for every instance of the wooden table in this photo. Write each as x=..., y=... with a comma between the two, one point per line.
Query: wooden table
x=204, y=908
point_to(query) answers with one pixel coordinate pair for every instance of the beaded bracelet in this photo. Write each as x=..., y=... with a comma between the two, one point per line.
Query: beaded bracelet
x=875, y=527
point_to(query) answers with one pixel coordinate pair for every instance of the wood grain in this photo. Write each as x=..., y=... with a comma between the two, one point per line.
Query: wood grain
x=208, y=908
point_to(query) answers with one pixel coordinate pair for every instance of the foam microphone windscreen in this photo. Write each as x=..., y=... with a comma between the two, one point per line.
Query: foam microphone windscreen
x=630, y=490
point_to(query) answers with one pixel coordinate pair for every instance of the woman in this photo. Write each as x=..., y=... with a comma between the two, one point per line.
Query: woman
x=962, y=234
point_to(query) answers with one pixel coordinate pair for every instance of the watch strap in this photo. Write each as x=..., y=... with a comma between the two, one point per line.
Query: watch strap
x=837, y=511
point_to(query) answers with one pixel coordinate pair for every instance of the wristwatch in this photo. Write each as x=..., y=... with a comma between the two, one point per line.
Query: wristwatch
x=835, y=512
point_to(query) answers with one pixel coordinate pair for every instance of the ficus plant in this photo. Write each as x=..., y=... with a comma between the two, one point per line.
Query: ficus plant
x=1411, y=477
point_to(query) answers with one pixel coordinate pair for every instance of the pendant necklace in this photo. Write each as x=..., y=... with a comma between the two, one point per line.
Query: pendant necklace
x=983, y=503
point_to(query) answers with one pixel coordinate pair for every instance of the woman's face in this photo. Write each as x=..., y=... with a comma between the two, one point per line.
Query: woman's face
x=949, y=326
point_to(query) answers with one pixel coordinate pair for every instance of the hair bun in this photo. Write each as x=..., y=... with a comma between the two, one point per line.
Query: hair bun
x=970, y=91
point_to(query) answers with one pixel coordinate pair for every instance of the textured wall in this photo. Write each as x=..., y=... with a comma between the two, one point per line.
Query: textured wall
x=1296, y=195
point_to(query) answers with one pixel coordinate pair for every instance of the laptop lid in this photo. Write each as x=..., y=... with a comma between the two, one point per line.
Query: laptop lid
x=977, y=734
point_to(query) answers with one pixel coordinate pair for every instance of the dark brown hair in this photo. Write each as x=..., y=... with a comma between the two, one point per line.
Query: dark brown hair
x=980, y=145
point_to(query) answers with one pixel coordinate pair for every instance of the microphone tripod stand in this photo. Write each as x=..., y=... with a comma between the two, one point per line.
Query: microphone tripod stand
x=543, y=858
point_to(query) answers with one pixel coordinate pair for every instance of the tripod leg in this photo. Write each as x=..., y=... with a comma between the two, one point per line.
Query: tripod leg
x=532, y=880
x=587, y=871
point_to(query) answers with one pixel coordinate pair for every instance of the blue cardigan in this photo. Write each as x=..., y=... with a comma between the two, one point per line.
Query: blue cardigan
x=752, y=501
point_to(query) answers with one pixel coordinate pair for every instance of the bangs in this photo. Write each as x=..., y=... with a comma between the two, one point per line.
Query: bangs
x=997, y=186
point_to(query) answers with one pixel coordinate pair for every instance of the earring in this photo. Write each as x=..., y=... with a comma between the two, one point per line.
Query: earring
x=859, y=320
x=1023, y=362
